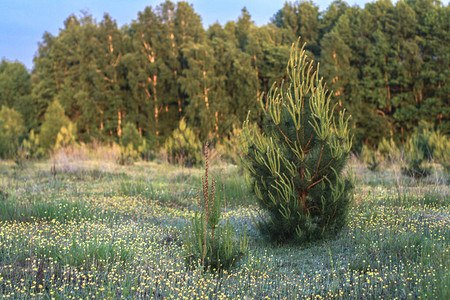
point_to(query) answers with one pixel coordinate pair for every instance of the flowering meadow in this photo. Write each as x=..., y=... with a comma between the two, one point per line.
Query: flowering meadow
x=98, y=230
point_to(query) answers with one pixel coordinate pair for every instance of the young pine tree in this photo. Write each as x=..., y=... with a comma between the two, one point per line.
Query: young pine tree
x=183, y=147
x=130, y=143
x=66, y=137
x=296, y=160
x=55, y=119
x=130, y=135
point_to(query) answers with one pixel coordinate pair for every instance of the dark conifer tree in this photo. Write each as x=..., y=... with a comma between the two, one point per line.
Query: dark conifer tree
x=144, y=79
x=236, y=83
x=110, y=91
x=300, y=18
x=44, y=77
x=15, y=90
x=433, y=39
x=329, y=17
x=199, y=83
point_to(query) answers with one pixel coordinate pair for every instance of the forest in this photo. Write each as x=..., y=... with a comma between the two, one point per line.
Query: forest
x=386, y=64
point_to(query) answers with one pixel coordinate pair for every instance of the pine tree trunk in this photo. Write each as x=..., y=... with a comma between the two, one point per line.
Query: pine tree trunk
x=151, y=57
x=101, y=120
x=155, y=96
x=205, y=91
x=257, y=79
x=119, y=124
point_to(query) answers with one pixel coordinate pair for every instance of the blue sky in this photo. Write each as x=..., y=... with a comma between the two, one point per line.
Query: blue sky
x=23, y=22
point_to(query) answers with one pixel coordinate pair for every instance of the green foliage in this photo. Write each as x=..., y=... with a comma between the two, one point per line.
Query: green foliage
x=66, y=137
x=387, y=64
x=387, y=149
x=30, y=146
x=371, y=158
x=423, y=146
x=20, y=157
x=440, y=146
x=55, y=119
x=417, y=153
x=296, y=161
x=15, y=90
x=130, y=136
x=127, y=155
x=183, y=147
x=230, y=147
x=132, y=145
x=207, y=241
x=11, y=130
x=147, y=150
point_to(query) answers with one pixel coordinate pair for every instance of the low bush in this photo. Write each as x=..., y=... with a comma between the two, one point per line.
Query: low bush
x=417, y=153
x=371, y=158
x=11, y=129
x=183, y=147
x=440, y=147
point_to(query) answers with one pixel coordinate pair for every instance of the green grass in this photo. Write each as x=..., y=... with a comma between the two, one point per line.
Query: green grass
x=231, y=186
x=116, y=233
x=38, y=208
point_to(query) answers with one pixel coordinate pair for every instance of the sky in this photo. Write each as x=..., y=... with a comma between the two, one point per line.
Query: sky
x=23, y=22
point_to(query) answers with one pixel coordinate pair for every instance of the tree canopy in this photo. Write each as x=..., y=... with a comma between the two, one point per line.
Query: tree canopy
x=387, y=64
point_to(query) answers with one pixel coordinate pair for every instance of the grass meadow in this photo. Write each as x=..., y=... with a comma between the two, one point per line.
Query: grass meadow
x=90, y=228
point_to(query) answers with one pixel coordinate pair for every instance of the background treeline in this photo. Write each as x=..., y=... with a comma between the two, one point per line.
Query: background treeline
x=387, y=64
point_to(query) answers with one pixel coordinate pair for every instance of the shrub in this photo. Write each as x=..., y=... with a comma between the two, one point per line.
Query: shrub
x=230, y=147
x=127, y=155
x=54, y=120
x=183, y=147
x=65, y=137
x=11, y=129
x=207, y=241
x=417, y=152
x=295, y=161
x=440, y=147
x=372, y=158
x=31, y=147
x=130, y=144
x=425, y=145
x=130, y=135
x=388, y=149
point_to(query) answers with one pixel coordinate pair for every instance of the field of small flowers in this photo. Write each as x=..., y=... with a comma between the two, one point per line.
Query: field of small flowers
x=99, y=230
